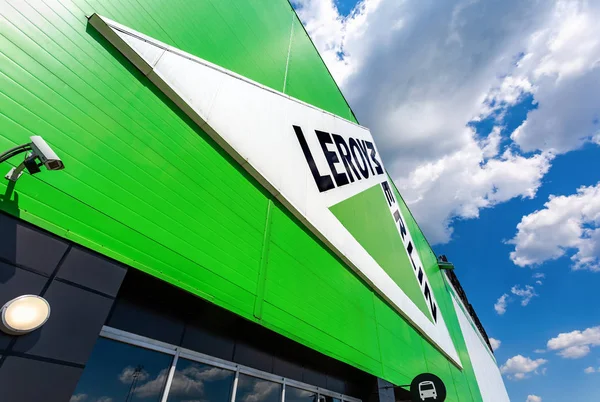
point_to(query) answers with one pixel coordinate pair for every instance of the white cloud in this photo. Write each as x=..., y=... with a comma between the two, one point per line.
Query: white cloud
x=86, y=398
x=566, y=225
x=129, y=373
x=574, y=352
x=518, y=367
x=539, y=351
x=575, y=344
x=417, y=89
x=539, y=275
x=525, y=294
x=500, y=305
x=188, y=382
x=261, y=390
x=590, y=370
x=495, y=343
x=460, y=184
x=563, y=62
x=155, y=385
x=533, y=398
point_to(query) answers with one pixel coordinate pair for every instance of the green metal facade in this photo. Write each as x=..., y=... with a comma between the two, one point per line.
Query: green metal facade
x=145, y=185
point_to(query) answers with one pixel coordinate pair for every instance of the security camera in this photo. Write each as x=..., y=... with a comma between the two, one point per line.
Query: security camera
x=46, y=155
x=38, y=153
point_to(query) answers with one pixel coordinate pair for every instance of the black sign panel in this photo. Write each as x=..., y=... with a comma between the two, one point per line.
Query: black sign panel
x=427, y=387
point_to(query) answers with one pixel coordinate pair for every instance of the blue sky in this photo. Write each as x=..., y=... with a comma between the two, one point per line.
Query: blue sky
x=484, y=111
x=566, y=300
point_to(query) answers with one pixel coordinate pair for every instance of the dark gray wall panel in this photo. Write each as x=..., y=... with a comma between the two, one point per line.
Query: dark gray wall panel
x=26, y=380
x=15, y=282
x=209, y=342
x=76, y=320
x=145, y=321
x=25, y=246
x=248, y=355
x=335, y=384
x=314, y=377
x=92, y=271
x=287, y=369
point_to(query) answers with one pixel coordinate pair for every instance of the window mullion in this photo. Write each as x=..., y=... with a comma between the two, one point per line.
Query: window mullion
x=170, y=376
x=235, y=384
x=283, y=391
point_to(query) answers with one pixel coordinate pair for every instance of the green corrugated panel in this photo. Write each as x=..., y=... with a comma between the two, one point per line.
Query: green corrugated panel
x=401, y=348
x=307, y=77
x=310, y=284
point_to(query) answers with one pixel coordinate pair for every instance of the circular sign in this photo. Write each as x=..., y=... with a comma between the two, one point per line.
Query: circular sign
x=427, y=387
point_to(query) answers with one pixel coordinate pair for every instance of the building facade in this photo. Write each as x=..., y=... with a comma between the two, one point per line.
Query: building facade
x=224, y=228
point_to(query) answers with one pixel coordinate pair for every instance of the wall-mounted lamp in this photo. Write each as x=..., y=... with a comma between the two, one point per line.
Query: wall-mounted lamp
x=24, y=314
x=38, y=153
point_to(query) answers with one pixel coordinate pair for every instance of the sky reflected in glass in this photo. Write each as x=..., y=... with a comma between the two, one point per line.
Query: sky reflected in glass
x=117, y=372
x=195, y=381
x=252, y=389
x=293, y=394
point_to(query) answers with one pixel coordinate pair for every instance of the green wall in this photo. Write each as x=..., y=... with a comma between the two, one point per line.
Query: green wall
x=144, y=185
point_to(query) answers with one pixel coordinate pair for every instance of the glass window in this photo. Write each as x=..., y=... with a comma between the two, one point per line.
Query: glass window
x=117, y=372
x=252, y=389
x=293, y=394
x=195, y=381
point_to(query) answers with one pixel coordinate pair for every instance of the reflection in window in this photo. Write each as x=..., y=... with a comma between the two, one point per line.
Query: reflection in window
x=197, y=381
x=325, y=398
x=293, y=394
x=252, y=389
x=117, y=372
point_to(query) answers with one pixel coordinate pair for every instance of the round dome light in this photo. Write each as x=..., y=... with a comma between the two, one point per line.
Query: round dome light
x=24, y=314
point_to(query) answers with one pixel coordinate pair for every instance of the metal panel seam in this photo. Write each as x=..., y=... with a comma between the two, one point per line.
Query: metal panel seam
x=287, y=61
x=261, y=282
x=373, y=296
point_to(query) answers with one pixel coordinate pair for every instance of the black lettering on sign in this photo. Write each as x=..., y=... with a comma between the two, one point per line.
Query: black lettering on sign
x=358, y=157
x=346, y=157
x=401, y=226
x=413, y=255
x=353, y=148
x=324, y=138
x=378, y=167
x=363, y=150
x=388, y=194
x=432, y=305
x=324, y=182
x=409, y=248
